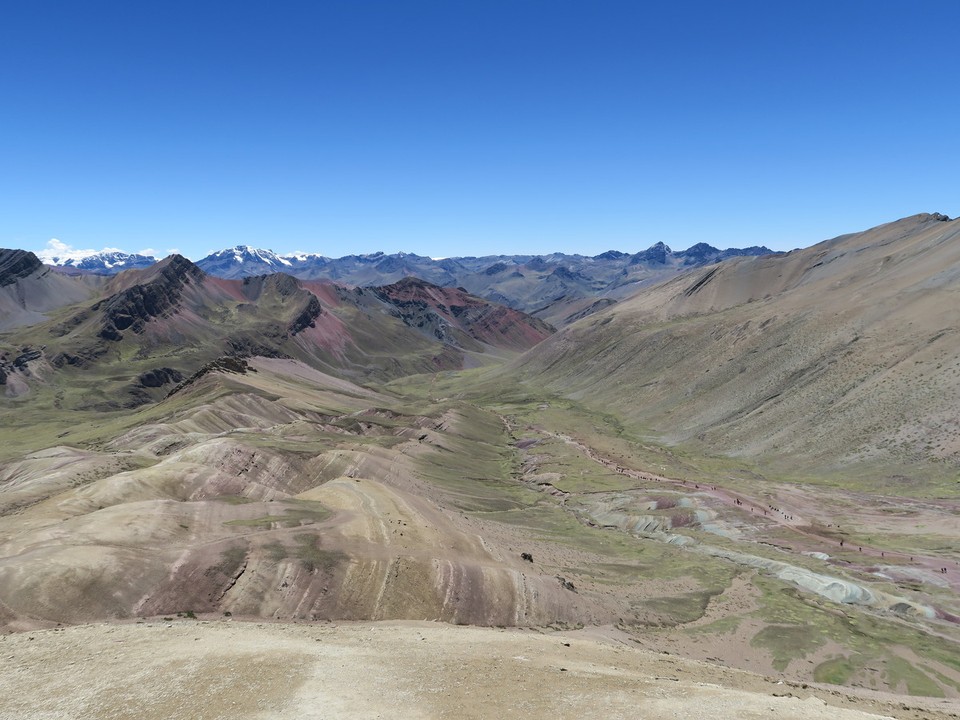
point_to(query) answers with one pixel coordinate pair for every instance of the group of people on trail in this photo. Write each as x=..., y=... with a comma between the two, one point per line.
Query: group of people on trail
x=776, y=509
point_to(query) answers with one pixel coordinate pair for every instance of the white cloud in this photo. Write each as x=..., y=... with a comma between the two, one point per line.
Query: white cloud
x=147, y=251
x=59, y=252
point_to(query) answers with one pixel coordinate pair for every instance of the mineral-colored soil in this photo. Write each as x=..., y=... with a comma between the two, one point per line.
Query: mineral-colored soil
x=283, y=494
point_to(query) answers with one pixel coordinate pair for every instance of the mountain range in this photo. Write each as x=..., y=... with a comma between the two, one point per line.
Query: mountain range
x=102, y=263
x=557, y=288
x=173, y=308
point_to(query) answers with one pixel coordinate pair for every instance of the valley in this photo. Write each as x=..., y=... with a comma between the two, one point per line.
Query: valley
x=709, y=475
x=284, y=495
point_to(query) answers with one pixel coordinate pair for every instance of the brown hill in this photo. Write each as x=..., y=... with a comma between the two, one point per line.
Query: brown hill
x=843, y=353
x=266, y=489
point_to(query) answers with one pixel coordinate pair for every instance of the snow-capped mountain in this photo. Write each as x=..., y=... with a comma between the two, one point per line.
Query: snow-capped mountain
x=557, y=287
x=103, y=263
x=303, y=258
x=244, y=261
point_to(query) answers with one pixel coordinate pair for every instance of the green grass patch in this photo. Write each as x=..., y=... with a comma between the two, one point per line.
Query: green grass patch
x=722, y=626
x=234, y=499
x=901, y=672
x=866, y=637
x=474, y=464
x=679, y=609
x=838, y=671
x=230, y=560
x=786, y=643
x=944, y=680
x=305, y=512
x=313, y=557
x=264, y=521
x=276, y=551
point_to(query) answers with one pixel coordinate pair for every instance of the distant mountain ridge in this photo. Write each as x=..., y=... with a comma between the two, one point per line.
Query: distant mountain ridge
x=124, y=340
x=244, y=260
x=553, y=287
x=104, y=263
x=247, y=261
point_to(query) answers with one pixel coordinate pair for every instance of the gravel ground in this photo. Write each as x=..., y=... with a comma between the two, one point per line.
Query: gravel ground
x=225, y=669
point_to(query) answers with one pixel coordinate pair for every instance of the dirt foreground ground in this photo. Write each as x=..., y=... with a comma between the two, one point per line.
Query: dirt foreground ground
x=225, y=669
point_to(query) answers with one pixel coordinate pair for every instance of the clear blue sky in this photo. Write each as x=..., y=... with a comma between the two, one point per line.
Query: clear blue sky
x=459, y=128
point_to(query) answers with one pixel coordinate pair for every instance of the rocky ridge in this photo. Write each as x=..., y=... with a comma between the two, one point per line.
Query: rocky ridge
x=17, y=264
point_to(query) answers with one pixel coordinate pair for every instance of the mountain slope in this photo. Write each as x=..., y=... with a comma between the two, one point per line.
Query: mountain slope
x=266, y=489
x=29, y=290
x=842, y=353
x=452, y=315
x=151, y=328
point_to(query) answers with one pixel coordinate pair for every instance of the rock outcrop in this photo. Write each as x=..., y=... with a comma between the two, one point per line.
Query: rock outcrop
x=17, y=264
x=132, y=308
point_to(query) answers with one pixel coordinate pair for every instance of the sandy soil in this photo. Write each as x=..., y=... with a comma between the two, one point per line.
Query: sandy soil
x=225, y=669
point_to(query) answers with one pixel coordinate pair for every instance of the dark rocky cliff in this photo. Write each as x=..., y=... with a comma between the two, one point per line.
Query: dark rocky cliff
x=17, y=264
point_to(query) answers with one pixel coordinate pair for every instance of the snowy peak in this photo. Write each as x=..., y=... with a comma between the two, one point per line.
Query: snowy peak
x=243, y=261
x=302, y=257
x=245, y=253
x=102, y=263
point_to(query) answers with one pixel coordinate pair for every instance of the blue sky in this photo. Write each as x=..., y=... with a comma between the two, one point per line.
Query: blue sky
x=466, y=128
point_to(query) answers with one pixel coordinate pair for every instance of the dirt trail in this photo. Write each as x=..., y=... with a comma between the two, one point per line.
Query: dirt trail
x=220, y=669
